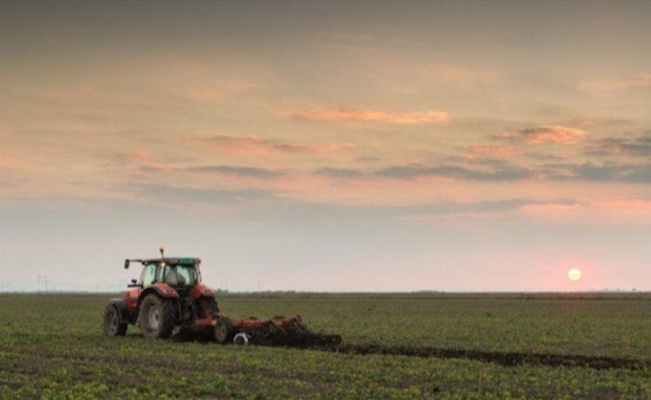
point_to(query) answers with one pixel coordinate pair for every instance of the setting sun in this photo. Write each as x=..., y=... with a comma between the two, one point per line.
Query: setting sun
x=574, y=274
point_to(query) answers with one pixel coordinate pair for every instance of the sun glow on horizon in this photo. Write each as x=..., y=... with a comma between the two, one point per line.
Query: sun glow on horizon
x=574, y=274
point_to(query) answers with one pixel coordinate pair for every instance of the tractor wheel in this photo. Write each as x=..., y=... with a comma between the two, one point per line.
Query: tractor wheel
x=112, y=324
x=157, y=317
x=224, y=331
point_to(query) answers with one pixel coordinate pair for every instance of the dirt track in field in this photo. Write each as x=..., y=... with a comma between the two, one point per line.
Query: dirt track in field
x=502, y=358
x=508, y=359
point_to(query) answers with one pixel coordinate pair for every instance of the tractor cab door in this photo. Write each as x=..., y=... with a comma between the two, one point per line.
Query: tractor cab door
x=148, y=276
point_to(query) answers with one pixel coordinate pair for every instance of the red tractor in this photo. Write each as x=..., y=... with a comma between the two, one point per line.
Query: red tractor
x=170, y=294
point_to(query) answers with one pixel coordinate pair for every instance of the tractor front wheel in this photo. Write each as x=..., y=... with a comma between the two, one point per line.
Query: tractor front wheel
x=112, y=324
x=157, y=317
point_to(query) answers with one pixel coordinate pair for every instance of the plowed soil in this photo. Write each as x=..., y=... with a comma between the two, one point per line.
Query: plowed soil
x=332, y=343
x=502, y=358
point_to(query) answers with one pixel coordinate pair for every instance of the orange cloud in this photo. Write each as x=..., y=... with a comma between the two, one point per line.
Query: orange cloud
x=491, y=151
x=611, y=85
x=215, y=93
x=551, y=207
x=621, y=203
x=614, y=209
x=395, y=118
x=139, y=157
x=585, y=122
x=545, y=134
x=258, y=146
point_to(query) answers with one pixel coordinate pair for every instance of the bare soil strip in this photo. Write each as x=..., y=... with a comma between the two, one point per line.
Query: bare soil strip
x=502, y=358
x=507, y=359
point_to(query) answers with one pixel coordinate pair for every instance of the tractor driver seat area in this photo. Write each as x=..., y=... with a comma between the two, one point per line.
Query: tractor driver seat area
x=172, y=278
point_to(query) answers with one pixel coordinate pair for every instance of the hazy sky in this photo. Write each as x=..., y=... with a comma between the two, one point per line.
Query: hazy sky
x=457, y=146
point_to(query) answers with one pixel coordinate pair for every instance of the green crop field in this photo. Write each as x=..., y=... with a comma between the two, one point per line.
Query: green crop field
x=592, y=346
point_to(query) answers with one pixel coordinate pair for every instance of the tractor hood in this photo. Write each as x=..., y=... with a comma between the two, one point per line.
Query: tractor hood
x=201, y=290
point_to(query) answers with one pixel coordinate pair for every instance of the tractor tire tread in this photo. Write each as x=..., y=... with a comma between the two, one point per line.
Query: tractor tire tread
x=168, y=317
x=224, y=331
x=109, y=330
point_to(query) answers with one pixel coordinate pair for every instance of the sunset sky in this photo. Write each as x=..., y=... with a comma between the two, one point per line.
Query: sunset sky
x=327, y=146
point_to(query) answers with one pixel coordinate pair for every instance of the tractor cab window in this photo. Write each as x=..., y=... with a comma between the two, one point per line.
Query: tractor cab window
x=148, y=276
x=181, y=275
x=160, y=274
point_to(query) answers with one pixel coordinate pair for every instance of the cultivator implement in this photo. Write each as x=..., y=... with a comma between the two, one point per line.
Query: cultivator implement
x=277, y=331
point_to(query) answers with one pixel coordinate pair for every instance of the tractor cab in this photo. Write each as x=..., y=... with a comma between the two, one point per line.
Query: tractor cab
x=175, y=272
x=168, y=294
x=180, y=275
x=168, y=277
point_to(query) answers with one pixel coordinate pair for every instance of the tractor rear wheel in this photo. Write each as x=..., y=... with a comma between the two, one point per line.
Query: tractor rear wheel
x=224, y=331
x=112, y=324
x=157, y=317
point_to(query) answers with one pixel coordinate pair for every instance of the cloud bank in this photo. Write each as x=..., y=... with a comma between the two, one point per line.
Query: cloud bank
x=250, y=172
x=259, y=146
x=394, y=118
x=545, y=134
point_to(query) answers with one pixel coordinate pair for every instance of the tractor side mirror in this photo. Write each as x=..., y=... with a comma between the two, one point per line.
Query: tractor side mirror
x=126, y=264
